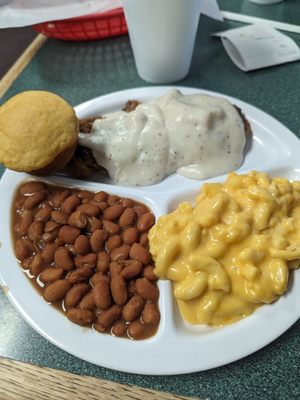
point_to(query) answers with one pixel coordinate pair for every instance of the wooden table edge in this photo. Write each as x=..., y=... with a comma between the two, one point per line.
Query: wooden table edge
x=20, y=380
x=19, y=65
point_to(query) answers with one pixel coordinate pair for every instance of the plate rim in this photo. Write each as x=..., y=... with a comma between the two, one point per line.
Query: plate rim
x=153, y=370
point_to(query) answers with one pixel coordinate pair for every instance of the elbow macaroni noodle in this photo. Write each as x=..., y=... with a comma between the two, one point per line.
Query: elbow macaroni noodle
x=233, y=251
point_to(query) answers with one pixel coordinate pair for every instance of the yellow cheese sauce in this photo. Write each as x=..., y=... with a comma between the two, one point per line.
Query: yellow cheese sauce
x=232, y=251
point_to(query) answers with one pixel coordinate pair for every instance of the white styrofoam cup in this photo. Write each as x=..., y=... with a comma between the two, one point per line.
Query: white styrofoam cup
x=162, y=35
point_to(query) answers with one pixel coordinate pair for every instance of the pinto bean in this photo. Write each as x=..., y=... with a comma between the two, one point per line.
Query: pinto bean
x=80, y=316
x=146, y=289
x=136, y=329
x=25, y=264
x=127, y=203
x=108, y=317
x=59, y=197
x=87, y=261
x=115, y=268
x=119, y=290
x=35, y=230
x=89, y=209
x=82, y=245
x=113, y=212
x=31, y=187
x=95, y=203
x=19, y=204
x=97, y=240
x=101, y=196
x=78, y=219
x=97, y=327
x=132, y=308
x=110, y=227
x=80, y=275
x=51, y=274
x=58, y=242
x=63, y=258
x=70, y=203
x=25, y=222
x=102, y=295
x=88, y=301
x=97, y=277
x=68, y=234
x=150, y=314
x=48, y=252
x=48, y=237
x=113, y=242
x=127, y=218
x=59, y=217
x=93, y=224
x=103, y=261
x=140, y=210
x=44, y=213
x=36, y=265
x=130, y=236
x=120, y=253
x=29, y=244
x=34, y=200
x=119, y=329
x=144, y=240
x=140, y=253
x=51, y=226
x=22, y=249
x=56, y=291
x=113, y=199
x=145, y=222
x=131, y=287
x=102, y=205
x=131, y=269
x=148, y=272
x=85, y=194
x=75, y=294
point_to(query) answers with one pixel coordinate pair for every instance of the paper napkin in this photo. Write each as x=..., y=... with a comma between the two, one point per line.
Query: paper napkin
x=258, y=46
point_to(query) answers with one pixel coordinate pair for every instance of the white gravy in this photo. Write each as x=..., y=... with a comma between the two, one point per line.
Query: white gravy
x=199, y=136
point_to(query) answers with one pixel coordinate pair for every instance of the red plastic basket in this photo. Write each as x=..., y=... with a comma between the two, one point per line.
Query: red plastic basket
x=88, y=27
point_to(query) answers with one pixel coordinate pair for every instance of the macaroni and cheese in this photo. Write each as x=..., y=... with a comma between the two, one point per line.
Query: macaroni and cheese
x=233, y=251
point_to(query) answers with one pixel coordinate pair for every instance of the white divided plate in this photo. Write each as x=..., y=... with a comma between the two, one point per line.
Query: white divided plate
x=177, y=347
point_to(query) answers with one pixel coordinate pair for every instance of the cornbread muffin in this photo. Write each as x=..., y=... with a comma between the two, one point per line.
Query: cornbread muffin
x=38, y=132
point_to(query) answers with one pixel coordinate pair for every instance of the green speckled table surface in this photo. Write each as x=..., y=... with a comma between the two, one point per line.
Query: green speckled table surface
x=80, y=71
